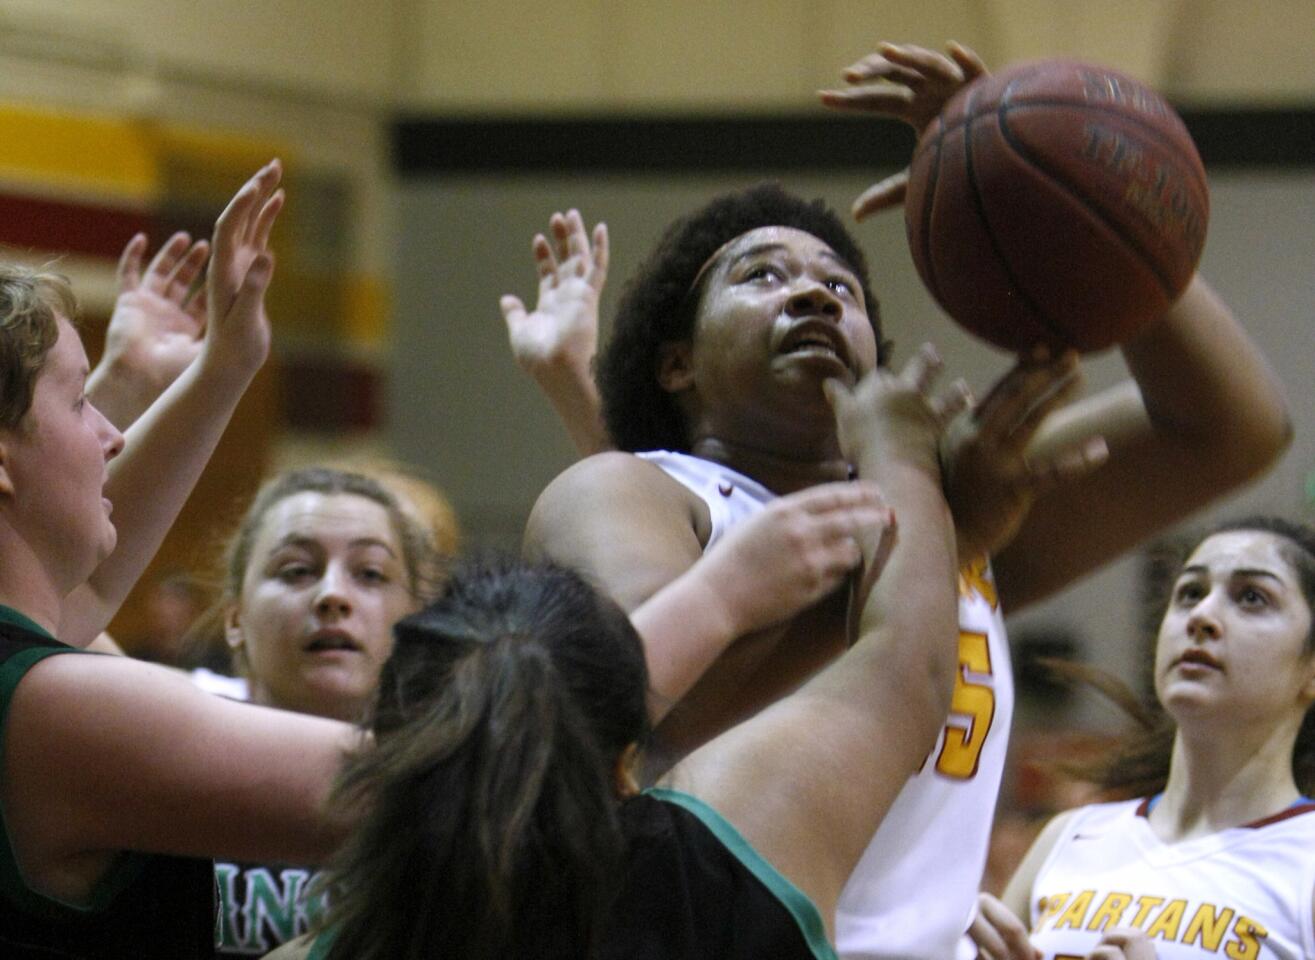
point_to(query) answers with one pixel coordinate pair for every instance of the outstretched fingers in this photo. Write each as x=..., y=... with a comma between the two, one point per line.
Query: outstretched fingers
x=184, y=274
x=129, y=271
x=161, y=267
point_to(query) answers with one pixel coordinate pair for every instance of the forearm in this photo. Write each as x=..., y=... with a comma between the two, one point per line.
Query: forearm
x=910, y=617
x=684, y=627
x=1204, y=381
x=574, y=398
x=120, y=393
x=164, y=454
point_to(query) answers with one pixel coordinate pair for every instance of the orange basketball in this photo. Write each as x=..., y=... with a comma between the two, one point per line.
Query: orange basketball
x=1056, y=202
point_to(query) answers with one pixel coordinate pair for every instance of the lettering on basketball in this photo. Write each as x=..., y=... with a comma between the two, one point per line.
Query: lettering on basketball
x=1209, y=926
x=972, y=709
x=1156, y=191
x=1106, y=88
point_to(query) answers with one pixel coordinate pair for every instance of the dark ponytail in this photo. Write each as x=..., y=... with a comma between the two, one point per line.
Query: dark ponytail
x=490, y=825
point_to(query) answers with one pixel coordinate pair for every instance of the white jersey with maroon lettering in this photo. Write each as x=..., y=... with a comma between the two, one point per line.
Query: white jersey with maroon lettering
x=1243, y=893
x=915, y=888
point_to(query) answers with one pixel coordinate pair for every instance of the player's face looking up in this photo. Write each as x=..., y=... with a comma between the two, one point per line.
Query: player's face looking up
x=779, y=312
x=1237, y=633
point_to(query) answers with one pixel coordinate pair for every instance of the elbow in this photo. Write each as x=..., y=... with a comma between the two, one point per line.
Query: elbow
x=1262, y=442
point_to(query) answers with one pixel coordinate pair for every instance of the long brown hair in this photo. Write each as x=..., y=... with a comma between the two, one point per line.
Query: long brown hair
x=491, y=825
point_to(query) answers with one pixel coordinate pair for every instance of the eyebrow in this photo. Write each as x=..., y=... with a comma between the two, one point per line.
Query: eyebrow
x=301, y=540
x=1240, y=572
x=772, y=246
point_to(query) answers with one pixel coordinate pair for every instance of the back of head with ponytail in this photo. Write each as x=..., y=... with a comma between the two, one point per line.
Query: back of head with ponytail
x=490, y=825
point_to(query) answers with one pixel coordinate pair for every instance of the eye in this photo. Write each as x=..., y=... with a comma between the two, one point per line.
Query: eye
x=1188, y=593
x=1252, y=598
x=374, y=575
x=840, y=285
x=764, y=272
x=294, y=572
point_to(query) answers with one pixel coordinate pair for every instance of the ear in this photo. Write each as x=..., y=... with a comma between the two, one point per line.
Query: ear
x=675, y=368
x=6, y=481
x=1308, y=688
x=232, y=627
x=624, y=781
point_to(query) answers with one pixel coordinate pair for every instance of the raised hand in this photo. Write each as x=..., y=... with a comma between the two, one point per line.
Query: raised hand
x=888, y=415
x=799, y=549
x=990, y=478
x=241, y=267
x=908, y=83
x=556, y=343
x=563, y=329
x=156, y=329
x=998, y=934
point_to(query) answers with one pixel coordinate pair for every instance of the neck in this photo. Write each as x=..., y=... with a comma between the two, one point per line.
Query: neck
x=779, y=473
x=347, y=709
x=26, y=586
x=1220, y=779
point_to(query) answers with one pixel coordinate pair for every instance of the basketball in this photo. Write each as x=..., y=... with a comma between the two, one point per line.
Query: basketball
x=1056, y=202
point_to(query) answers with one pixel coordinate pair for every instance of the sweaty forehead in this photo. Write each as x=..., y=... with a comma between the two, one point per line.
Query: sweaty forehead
x=326, y=518
x=1243, y=550
x=788, y=239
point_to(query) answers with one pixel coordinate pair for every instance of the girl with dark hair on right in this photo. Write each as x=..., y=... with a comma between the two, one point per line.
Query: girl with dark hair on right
x=1215, y=852
x=503, y=817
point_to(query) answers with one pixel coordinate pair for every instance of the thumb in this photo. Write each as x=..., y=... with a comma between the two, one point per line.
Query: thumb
x=881, y=196
x=254, y=285
x=835, y=392
x=512, y=308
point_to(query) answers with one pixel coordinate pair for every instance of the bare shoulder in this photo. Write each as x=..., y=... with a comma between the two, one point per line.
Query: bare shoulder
x=610, y=477
x=622, y=522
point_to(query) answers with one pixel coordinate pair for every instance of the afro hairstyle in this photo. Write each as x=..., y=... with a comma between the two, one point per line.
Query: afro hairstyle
x=659, y=306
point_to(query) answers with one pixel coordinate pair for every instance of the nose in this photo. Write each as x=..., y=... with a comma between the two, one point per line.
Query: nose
x=332, y=598
x=111, y=440
x=1203, y=624
x=814, y=298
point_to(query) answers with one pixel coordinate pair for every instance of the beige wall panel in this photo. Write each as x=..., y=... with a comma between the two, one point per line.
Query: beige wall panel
x=1225, y=50
x=342, y=47
x=502, y=55
x=1130, y=35
x=692, y=54
x=853, y=28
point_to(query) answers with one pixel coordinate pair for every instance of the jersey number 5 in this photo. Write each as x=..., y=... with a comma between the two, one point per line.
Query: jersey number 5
x=972, y=709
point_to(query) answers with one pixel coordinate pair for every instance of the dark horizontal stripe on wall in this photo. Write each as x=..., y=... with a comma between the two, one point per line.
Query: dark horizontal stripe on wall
x=428, y=145
x=69, y=226
x=329, y=394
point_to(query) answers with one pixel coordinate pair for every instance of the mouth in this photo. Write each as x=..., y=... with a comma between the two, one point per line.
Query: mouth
x=1196, y=657
x=331, y=641
x=107, y=504
x=818, y=338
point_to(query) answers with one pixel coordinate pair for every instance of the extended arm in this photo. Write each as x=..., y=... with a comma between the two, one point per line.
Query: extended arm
x=556, y=343
x=147, y=762
x=1202, y=415
x=634, y=532
x=808, y=780
x=166, y=449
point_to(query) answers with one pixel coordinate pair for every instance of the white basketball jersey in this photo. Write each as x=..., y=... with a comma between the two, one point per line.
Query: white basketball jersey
x=1243, y=893
x=913, y=892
